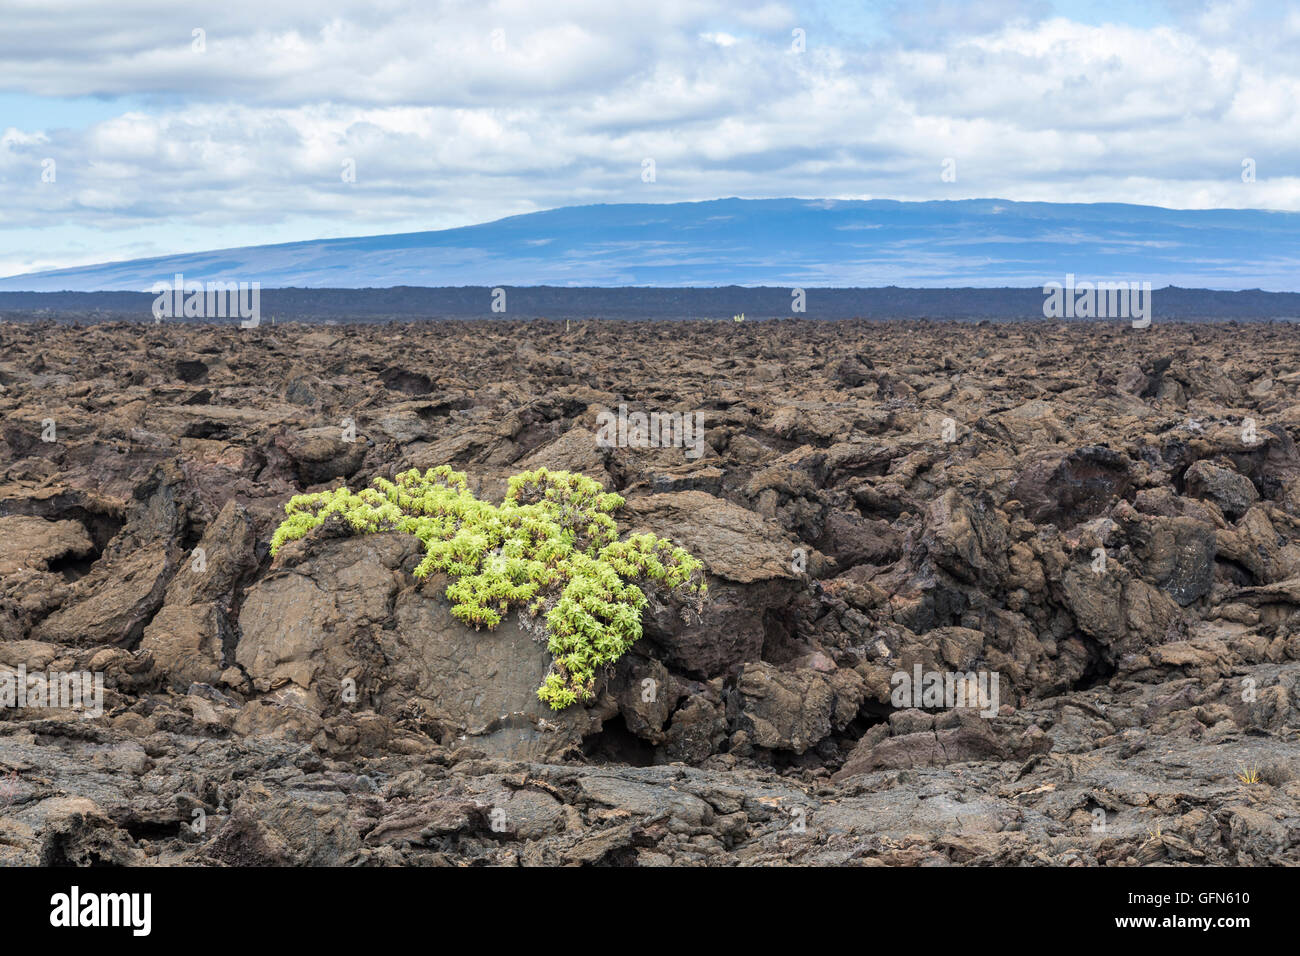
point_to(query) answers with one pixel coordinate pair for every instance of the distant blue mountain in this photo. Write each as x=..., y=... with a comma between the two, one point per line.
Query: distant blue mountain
x=764, y=242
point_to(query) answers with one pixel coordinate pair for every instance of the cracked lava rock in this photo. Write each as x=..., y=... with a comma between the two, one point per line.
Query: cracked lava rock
x=1099, y=529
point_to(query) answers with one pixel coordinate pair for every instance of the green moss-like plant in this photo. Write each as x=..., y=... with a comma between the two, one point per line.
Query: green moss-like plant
x=551, y=550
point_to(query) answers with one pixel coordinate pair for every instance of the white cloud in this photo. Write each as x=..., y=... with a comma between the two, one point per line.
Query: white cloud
x=245, y=142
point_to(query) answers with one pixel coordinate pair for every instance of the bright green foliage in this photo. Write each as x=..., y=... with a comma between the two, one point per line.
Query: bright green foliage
x=551, y=549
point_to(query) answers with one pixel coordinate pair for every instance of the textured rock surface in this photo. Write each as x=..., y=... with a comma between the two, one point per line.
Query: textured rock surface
x=1085, y=513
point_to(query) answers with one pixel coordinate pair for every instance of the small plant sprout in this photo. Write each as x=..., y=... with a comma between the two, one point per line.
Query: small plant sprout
x=550, y=550
x=1248, y=775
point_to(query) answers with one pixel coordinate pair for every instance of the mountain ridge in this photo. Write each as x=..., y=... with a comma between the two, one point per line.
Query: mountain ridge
x=835, y=243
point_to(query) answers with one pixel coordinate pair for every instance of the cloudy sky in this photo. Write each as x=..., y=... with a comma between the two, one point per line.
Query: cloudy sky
x=134, y=129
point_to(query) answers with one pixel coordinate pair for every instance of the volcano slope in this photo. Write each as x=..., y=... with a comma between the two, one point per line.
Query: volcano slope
x=1097, y=527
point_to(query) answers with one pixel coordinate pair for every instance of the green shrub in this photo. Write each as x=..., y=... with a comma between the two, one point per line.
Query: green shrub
x=551, y=550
